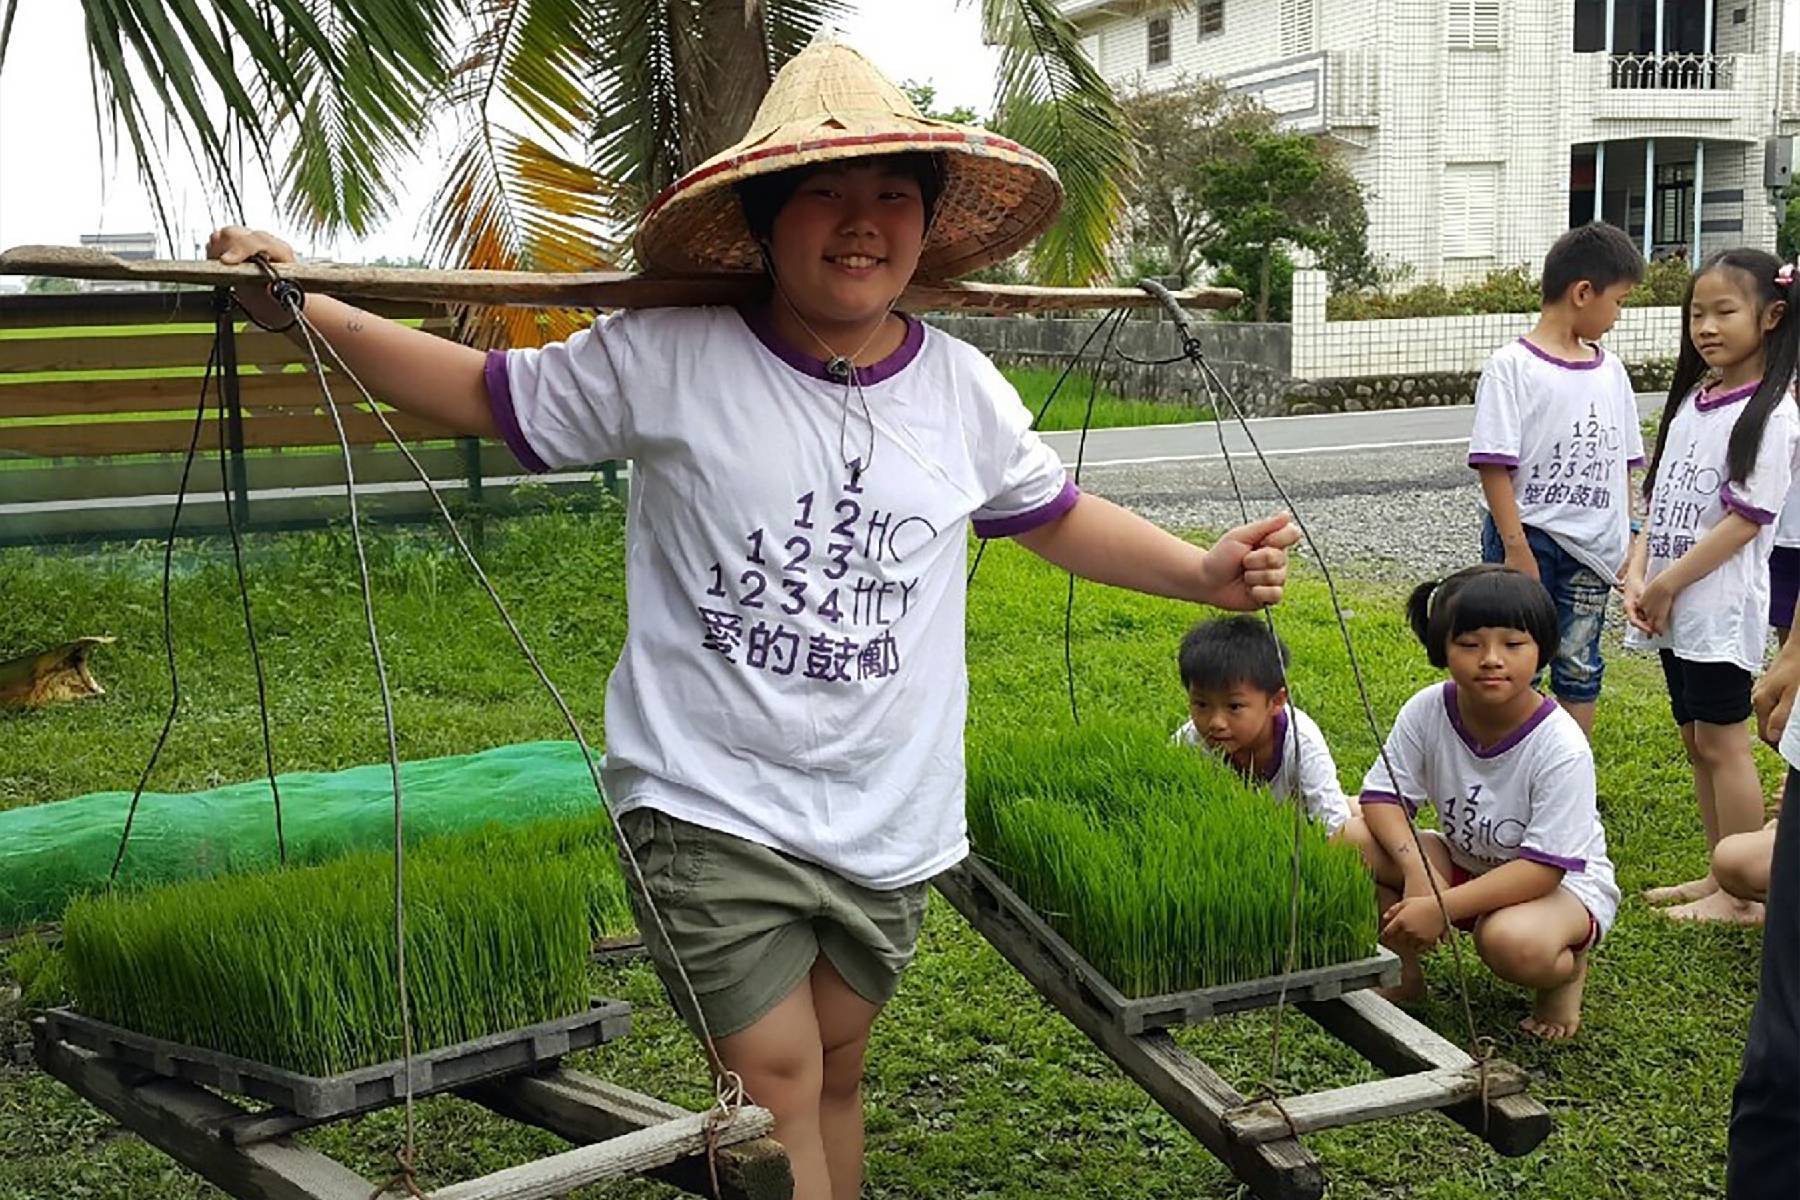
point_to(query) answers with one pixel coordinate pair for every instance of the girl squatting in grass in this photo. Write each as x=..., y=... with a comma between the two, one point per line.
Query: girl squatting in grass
x=785, y=723
x=1521, y=860
x=1697, y=587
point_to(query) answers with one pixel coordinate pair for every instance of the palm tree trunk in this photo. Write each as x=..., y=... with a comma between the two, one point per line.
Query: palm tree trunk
x=723, y=62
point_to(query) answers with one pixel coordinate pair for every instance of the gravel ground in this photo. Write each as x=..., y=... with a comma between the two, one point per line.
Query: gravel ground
x=1392, y=515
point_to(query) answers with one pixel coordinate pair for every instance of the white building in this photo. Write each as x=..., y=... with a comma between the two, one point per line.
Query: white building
x=1478, y=128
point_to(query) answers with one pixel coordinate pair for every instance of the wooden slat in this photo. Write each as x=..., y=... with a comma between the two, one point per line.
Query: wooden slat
x=77, y=397
x=592, y=289
x=1378, y=1098
x=1191, y=1092
x=626, y=1155
x=1399, y=1043
x=582, y=1109
x=179, y=1119
x=79, y=353
x=186, y=307
x=171, y=437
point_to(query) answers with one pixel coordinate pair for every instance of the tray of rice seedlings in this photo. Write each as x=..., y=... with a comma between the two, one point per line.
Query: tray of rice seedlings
x=281, y=985
x=1158, y=879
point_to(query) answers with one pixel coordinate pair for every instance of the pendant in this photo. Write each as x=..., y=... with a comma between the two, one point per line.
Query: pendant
x=838, y=367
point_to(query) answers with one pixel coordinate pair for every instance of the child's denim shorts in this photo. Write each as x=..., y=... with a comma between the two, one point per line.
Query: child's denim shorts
x=749, y=922
x=1580, y=595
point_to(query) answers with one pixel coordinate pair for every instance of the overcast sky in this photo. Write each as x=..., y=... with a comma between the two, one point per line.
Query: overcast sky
x=53, y=187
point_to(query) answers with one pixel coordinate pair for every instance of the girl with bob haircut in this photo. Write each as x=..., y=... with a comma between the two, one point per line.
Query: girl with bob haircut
x=1519, y=857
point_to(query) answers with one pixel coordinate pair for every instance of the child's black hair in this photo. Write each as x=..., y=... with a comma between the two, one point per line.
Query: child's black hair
x=1600, y=253
x=764, y=196
x=1487, y=596
x=1755, y=270
x=1222, y=653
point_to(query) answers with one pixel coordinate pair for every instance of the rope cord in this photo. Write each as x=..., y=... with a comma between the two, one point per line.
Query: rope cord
x=222, y=306
x=1479, y=1048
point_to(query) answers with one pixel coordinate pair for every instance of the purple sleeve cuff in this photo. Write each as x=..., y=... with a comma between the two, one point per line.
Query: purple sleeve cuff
x=1749, y=512
x=1639, y=461
x=1493, y=460
x=506, y=418
x=1025, y=522
x=1553, y=860
x=1387, y=798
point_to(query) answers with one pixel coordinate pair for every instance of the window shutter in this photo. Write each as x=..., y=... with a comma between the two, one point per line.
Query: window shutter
x=1299, y=26
x=1474, y=25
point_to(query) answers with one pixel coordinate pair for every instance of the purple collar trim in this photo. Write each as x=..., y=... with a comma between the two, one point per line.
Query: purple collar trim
x=1707, y=401
x=1504, y=744
x=757, y=318
x=1587, y=365
x=1268, y=773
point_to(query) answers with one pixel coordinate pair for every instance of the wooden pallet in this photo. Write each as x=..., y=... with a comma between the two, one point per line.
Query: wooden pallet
x=1255, y=1140
x=618, y=1134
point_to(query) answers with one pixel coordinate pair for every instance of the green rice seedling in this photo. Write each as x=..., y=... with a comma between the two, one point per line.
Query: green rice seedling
x=1160, y=865
x=295, y=968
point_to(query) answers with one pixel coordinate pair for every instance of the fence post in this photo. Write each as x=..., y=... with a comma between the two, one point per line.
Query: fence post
x=226, y=333
x=471, y=450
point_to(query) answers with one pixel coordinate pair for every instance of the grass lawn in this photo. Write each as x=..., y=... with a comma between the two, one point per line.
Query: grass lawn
x=976, y=1087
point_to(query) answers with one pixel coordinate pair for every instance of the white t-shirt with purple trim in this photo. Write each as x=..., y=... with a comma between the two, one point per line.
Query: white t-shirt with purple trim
x=1722, y=617
x=1530, y=795
x=793, y=669
x=1569, y=432
x=1302, y=766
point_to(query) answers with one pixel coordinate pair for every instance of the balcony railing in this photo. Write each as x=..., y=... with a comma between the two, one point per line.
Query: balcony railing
x=1673, y=72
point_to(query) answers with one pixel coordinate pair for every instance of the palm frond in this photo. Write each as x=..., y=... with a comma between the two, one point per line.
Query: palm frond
x=358, y=120
x=639, y=107
x=513, y=201
x=1050, y=98
x=204, y=70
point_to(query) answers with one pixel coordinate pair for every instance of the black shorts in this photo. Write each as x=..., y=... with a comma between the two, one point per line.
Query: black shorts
x=1715, y=692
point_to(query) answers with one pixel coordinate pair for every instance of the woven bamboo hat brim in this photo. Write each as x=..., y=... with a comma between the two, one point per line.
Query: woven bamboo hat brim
x=827, y=104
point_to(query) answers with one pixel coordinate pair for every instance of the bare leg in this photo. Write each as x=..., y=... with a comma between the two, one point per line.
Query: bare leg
x=1582, y=711
x=1741, y=863
x=844, y=1022
x=1389, y=880
x=1737, y=808
x=1706, y=885
x=781, y=1061
x=1531, y=944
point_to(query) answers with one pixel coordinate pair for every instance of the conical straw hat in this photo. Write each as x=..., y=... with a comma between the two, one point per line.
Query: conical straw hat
x=827, y=104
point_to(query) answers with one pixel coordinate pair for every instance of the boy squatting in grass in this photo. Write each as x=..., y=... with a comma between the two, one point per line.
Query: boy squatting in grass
x=1234, y=672
x=1555, y=438
x=1697, y=590
x=1521, y=859
x=785, y=722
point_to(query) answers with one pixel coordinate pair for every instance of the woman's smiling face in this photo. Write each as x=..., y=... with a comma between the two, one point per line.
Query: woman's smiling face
x=848, y=240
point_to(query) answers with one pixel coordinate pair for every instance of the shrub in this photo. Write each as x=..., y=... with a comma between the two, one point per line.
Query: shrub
x=1511, y=290
x=1162, y=867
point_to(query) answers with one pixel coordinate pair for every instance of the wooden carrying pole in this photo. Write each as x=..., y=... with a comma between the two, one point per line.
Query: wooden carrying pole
x=590, y=289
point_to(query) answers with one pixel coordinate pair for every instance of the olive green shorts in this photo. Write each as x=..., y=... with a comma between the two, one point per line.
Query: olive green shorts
x=749, y=922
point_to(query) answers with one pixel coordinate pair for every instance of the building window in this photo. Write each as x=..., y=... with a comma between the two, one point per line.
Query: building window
x=1212, y=18
x=1298, y=22
x=1473, y=25
x=1468, y=209
x=1159, y=46
x=1674, y=204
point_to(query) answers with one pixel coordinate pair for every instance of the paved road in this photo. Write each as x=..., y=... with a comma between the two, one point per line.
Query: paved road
x=1327, y=433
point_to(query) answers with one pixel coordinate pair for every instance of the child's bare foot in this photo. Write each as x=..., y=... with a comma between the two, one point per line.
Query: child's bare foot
x=1720, y=906
x=1557, y=1014
x=1681, y=893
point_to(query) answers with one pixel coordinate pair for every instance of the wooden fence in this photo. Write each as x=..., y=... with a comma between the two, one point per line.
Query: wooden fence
x=97, y=399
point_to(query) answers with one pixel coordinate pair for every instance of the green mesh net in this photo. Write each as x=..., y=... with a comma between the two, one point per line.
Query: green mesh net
x=50, y=853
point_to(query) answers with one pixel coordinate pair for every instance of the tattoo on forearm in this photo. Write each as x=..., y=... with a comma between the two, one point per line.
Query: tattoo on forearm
x=354, y=326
